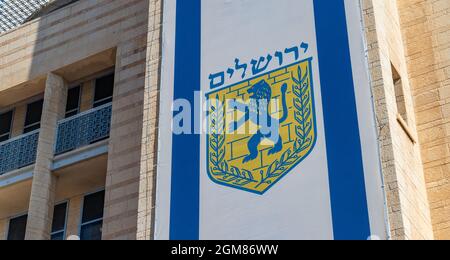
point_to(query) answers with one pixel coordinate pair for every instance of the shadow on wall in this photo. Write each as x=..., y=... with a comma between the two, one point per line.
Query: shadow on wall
x=35, y=43
x=65, y=56
x=78, y=41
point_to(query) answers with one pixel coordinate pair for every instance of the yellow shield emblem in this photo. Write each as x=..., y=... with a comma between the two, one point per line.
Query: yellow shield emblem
x=244, y=154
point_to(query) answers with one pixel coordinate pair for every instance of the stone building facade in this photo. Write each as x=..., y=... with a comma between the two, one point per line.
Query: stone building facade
x=106, y=55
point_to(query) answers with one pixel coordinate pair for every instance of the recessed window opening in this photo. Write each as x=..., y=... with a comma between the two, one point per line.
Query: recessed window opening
x=399, y=93
x=33, y=116
x=104, y=88
x=92, y=216
x=17, y=228
x=5, y=125
x=73, y=101
x=59, y=222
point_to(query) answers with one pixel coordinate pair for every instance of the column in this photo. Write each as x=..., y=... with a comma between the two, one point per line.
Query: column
x=42, y=200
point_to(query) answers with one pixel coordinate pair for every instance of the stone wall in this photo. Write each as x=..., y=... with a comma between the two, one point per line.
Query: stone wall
x=407, y=200
x=426, y=31
x=149, y=139
x=72, y=35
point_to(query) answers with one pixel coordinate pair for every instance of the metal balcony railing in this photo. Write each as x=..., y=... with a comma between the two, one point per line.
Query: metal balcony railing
x=72, y=133
x=18, y=152
x=83, y=129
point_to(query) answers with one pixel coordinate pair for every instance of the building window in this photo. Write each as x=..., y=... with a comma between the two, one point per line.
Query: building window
x=104, y=88
x=399, y=93
x=73, y=101
x=33, y=116
x=5, y=125
x=59, y=222
x=92, y=217
x=17, y=228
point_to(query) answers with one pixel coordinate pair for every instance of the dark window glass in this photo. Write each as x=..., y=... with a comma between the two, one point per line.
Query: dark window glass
x=92, y=219
x=33, y=116
x=5, y=125
x=59, y=221
x=57, y=236
x=73, y=102
x=17, y=227
x=93, y=206
x=104, y=88
x=92, y=231
x=4, y=138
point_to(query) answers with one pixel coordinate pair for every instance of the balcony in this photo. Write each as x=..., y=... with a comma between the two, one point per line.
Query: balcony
x=18, y=152
x=83, y=129
x=73, y=133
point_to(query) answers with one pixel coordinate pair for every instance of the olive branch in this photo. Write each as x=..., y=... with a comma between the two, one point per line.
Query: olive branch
x=220, y=168
x=302, y=115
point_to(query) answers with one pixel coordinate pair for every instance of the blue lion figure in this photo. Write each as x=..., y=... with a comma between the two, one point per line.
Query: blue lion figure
x=258, y=110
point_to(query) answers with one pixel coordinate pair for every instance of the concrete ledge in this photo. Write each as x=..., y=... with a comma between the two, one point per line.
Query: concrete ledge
x=16, y=176
x=79, y=155
x=59, y=162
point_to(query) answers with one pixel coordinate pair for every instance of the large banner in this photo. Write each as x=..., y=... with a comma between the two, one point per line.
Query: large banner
x=267, y=129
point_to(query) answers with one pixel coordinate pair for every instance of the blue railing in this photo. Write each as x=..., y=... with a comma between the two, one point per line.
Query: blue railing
x=83, y=129
x=18, y=152
x=73, y=133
